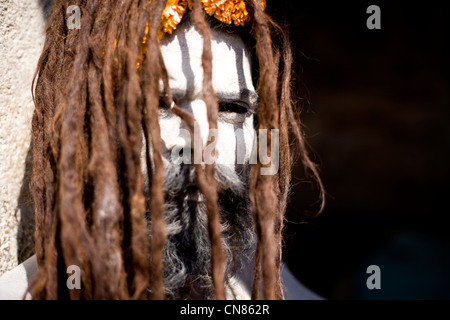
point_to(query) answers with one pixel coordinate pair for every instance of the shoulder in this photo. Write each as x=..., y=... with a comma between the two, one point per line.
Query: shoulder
x=14, y=283
x=294, y=289
x=239, y=287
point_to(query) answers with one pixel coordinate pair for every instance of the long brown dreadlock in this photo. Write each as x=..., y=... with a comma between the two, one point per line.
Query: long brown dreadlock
x=91, y=106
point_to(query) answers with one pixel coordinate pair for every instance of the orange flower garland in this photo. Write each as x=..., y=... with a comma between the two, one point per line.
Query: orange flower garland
x=172, y=14
x=226, y=11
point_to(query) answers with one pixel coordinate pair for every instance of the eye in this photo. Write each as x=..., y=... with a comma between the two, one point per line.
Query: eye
x=163, y=103
x=164, y=111
x=230, y=107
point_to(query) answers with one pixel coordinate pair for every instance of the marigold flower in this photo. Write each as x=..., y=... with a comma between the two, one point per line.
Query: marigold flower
x=226, y=11
x=172, y=15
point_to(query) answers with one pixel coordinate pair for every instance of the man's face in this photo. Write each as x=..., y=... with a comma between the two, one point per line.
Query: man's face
x=187, y=251
x=232, y=84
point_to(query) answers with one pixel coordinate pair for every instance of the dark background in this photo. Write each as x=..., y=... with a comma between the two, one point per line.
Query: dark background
x=376, y=111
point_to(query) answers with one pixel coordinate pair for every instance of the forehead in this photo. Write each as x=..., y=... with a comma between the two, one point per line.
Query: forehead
x=182, y=52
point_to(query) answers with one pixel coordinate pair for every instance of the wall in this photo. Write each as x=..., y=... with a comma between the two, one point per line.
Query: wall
x=22, y=25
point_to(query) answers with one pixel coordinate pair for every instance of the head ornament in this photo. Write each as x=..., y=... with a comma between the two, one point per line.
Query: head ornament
x=226, y=11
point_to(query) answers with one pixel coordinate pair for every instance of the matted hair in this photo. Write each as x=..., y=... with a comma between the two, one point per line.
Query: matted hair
x=92, y=104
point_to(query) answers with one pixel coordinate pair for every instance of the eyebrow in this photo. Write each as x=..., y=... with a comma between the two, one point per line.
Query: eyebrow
x=249, y=97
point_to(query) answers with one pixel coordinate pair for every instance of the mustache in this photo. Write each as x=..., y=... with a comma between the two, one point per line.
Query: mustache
x=180, y=178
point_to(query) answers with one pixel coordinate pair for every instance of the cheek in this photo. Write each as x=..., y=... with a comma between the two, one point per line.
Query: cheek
x=170, y=134
x=226, y=144
x=249, y=137
x=235, y=141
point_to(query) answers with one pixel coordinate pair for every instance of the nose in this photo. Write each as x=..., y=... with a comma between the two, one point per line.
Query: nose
x=199, y=111
x=181, y=149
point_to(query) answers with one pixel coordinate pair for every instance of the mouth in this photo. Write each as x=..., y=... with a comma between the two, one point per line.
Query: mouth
x=193, y=194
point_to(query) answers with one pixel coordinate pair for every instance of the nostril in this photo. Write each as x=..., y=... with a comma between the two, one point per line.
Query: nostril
x=182, y=155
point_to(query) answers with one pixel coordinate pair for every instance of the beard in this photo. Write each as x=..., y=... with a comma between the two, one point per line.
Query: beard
x=187, y=251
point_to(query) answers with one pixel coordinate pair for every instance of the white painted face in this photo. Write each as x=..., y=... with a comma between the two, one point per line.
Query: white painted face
x=232, y=82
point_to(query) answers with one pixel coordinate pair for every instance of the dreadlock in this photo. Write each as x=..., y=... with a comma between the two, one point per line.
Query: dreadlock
x=96, y=94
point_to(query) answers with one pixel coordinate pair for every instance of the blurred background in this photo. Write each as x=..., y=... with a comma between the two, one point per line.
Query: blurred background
x=377, y=116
